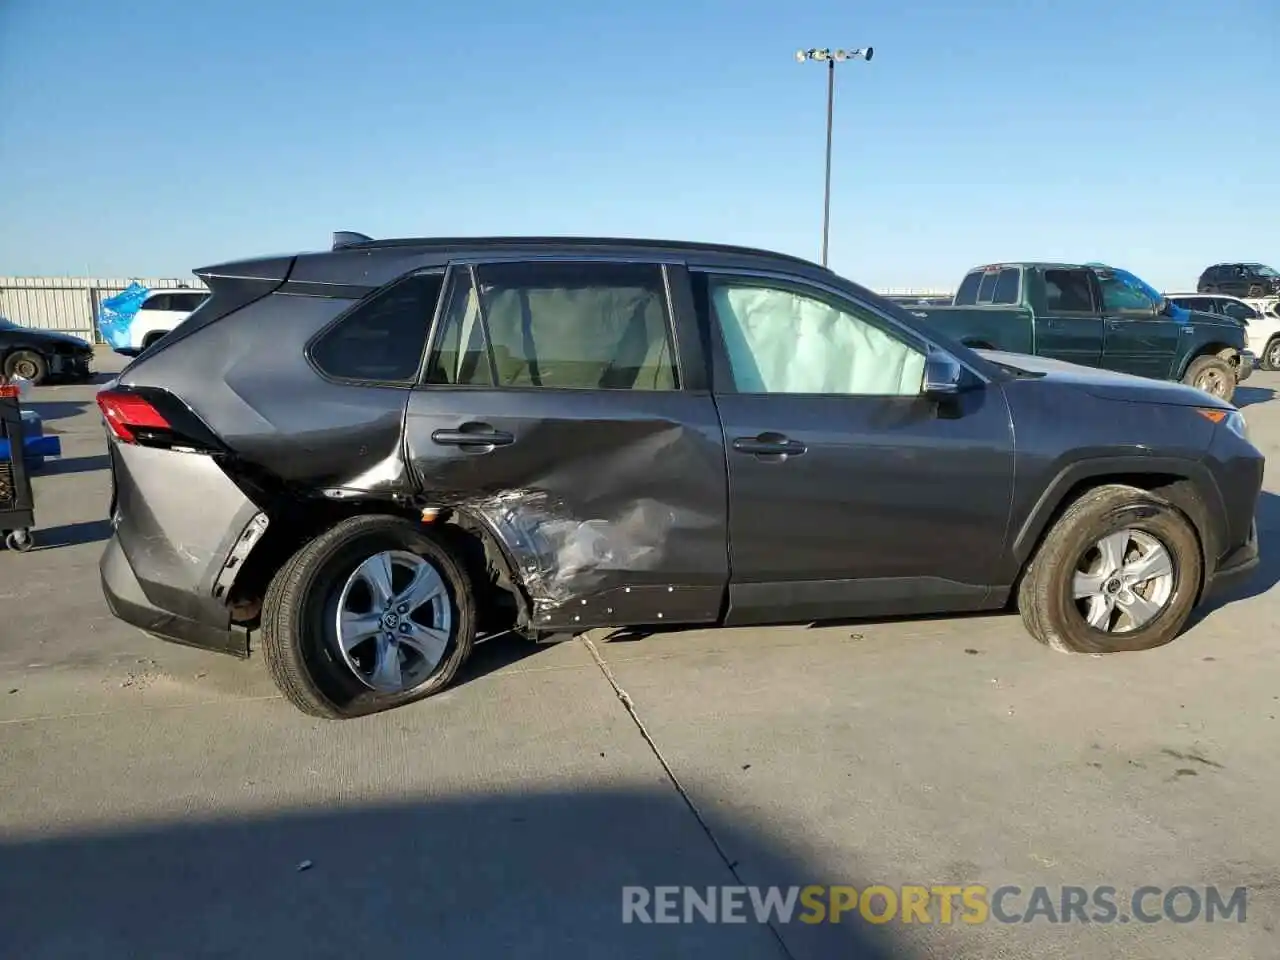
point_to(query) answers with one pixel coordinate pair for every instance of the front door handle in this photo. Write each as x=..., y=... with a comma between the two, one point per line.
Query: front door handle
x=773, y=446
x=473, y=435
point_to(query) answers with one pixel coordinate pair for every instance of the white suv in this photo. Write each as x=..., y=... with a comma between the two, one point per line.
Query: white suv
x=1261, y=319
x=161, y=312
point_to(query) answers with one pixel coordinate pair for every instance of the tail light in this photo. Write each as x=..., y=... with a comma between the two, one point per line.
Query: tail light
x=154, y=418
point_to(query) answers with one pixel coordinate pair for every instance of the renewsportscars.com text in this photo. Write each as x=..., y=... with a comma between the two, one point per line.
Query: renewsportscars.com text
x=932, y=904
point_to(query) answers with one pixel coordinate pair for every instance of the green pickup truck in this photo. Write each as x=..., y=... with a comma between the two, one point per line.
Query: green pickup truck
x=1093, y=315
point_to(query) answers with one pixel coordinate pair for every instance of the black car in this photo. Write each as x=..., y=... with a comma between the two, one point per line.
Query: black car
x=370, y=456
x=43, y=355
x=1240, y=280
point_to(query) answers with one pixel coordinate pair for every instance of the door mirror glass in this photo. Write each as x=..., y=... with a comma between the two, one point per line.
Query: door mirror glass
x=942, y=374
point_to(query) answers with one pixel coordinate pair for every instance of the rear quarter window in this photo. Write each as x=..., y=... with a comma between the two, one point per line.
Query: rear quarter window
x=967, y=295
x=383, y=338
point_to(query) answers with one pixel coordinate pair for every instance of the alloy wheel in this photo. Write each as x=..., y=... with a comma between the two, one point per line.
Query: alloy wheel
x=1272, y=356
x=394, y=621
x=1123, y=581
x=1214, y=382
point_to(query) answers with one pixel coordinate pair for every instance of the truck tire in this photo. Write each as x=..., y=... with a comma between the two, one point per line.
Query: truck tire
x=308, y=660
x=1213, y=375
x=1119, y=571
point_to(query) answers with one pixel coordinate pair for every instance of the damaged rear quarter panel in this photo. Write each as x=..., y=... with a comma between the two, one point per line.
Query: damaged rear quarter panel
x=612, y=504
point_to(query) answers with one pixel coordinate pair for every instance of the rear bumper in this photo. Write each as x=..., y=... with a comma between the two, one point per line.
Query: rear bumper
x=1236, y=567
x=127, y=601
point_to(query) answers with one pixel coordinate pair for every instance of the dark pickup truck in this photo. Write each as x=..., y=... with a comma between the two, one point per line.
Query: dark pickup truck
x=1097, y=316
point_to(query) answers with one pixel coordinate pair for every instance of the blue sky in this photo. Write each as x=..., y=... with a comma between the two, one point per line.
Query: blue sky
x=153, y=137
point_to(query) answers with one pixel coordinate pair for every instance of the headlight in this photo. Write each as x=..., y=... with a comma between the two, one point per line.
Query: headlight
x=1236, y=423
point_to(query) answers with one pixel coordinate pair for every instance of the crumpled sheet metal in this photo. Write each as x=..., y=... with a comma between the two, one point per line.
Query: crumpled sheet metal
x=562, y=557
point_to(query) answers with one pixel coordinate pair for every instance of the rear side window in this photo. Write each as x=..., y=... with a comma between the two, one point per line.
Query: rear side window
x=967, y=295
x=186, y=302
x=382, y=340
x=585, y=326
x=159, y=302
x=1006, y=289
x=1068, y=291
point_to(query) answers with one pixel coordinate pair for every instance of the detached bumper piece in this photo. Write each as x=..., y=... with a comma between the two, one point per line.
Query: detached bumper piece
x=1248, y=361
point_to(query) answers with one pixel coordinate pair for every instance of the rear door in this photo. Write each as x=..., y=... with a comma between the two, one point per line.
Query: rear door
x=851, y=494
x=1068, y=318
x=1139, y=340
x=564, y=404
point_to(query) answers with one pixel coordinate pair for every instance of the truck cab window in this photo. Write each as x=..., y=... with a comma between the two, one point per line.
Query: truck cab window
x=1068, y=291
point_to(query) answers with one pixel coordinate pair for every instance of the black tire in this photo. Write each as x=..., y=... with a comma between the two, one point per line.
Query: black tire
x=28, y=364
x=1270, y=359
x=1212, y=371
x=1255, y=290
x=1045, y=593
x=299, y=639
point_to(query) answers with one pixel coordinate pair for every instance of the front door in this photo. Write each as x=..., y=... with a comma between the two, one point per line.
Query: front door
x=1138, y=339
x=850, y=493
x=555, y=409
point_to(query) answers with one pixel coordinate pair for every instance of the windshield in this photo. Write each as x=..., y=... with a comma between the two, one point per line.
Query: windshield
x=1262, y=270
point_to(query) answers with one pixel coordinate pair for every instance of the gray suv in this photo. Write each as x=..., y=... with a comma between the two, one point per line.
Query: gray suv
x=361, y=460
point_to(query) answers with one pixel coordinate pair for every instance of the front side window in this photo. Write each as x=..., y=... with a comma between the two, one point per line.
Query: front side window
x=782, y=340
x=1119, y=297
x=551, y=324
x=381, y=340
x=1262, y=270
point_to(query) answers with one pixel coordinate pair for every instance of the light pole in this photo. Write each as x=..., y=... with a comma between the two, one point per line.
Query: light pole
x=832, y=57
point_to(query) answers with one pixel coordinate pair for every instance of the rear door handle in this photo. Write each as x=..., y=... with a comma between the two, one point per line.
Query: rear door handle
x=771, y=445
x=473, y=435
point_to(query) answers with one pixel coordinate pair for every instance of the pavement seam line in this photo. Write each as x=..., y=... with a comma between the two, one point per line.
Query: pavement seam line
x=629, y=704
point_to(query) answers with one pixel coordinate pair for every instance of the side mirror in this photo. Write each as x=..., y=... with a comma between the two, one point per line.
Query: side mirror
x=942, y=375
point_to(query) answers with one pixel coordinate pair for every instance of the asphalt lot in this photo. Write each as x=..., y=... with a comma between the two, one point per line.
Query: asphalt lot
x=160, y=801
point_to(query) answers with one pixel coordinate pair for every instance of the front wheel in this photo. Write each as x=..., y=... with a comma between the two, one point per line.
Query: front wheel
x=373, y=614
x=1120, y=570
x=27, y=364
x=1213, y=375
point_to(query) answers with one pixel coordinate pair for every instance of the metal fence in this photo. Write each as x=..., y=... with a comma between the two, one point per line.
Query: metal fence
x=70, y=304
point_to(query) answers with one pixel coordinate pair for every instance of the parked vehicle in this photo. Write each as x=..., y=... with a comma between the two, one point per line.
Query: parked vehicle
x=144, y=316
x=1260, y=318
x=43, y=356
x=1097, y=316
x=408, y=443
x=1240, y=280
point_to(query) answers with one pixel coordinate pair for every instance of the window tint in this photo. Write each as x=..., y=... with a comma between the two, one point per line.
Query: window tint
x=587, y=326
x=1068, y=291
x=1238, y=311
x=780, y=340
x=967, y=295
x=1006, y=290
x=159, y=302
x=186, y=302
x=382, y=339
x=1119, y=297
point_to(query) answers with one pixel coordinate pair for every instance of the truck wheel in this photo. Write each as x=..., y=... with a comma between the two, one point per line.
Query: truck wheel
x=1255, y=290
x=27, y=364
x=1120, y=570
x=1213, y=375
x=372, y=614
x=1271, y=354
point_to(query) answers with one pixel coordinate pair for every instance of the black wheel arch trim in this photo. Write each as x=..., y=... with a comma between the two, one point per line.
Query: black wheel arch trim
x=1207, y=512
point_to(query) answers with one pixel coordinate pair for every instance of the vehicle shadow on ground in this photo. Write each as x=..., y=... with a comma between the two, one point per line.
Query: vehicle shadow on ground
x=71, y=534
x=58, y=467
x=1247, y=396
x=52, y=410
x=512, y=874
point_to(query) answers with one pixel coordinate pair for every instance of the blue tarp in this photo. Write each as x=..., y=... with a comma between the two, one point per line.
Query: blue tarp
x=115, y=316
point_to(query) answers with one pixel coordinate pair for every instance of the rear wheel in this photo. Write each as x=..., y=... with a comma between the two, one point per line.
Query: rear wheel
x=1213, y=375
x=27, y=364
x=1120, y=570
x=372, y=614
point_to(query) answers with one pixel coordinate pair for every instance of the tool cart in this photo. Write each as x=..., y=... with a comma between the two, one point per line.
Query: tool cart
x=17, y=505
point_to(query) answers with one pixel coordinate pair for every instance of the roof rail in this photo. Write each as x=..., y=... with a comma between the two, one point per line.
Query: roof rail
x=348, y=238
